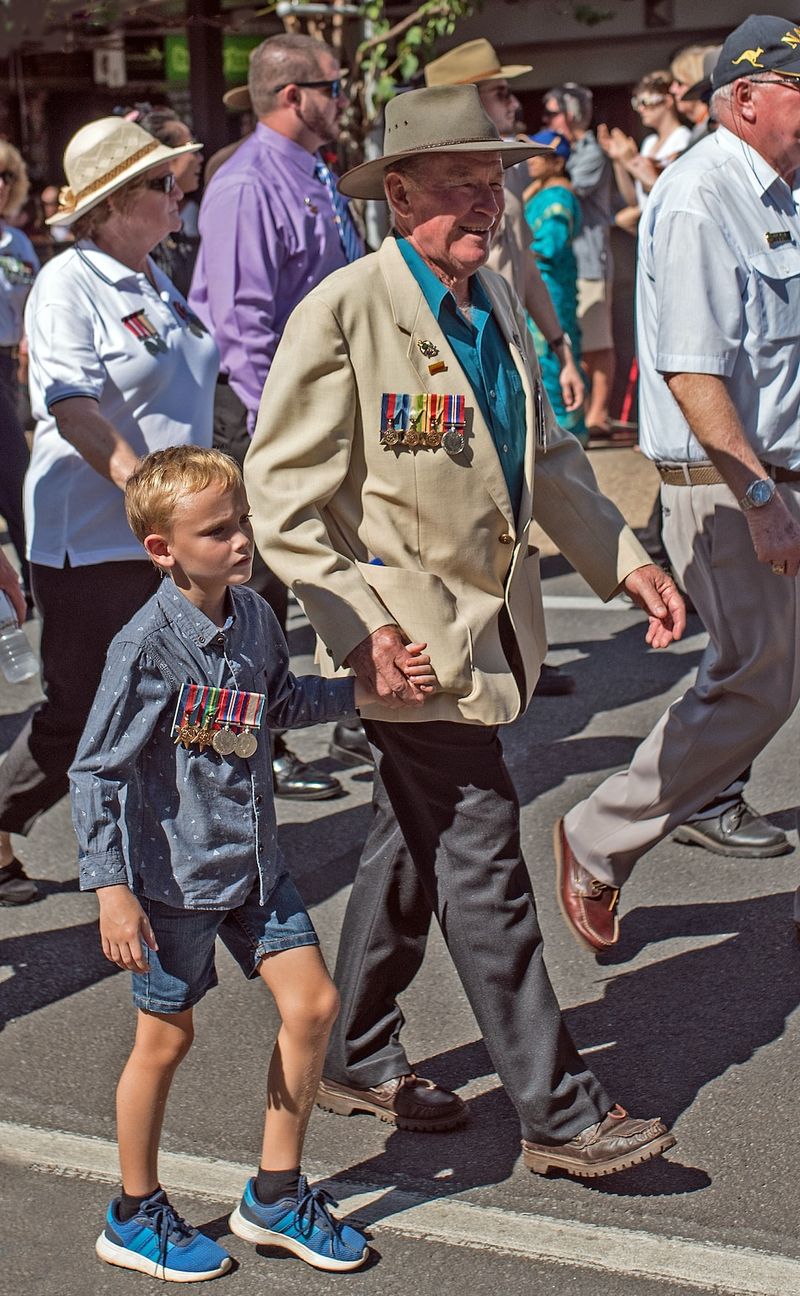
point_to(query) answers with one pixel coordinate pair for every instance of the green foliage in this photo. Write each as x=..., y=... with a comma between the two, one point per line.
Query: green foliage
x=392, y=55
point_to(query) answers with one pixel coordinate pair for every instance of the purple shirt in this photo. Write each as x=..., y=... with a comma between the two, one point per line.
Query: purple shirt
x=268, y=238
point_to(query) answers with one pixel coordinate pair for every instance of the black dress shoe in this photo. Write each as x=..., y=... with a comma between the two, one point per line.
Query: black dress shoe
x=292, y=777
x=738, y=831
x=16, y=888
x=349, y=744
x=554, y=682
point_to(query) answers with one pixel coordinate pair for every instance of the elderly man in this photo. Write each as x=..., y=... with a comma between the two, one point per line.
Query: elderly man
x=719, y=350
x=391, y=476
x=272, y=227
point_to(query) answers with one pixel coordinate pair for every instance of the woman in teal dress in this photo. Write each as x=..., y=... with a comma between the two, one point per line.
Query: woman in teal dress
x=554, y=216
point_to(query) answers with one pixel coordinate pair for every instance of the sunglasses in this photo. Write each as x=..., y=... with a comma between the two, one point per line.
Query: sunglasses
x=549, y=113
x=164, y=184
x=647, y=100
x=332, y=88
x=793, y=85
x=8, y=177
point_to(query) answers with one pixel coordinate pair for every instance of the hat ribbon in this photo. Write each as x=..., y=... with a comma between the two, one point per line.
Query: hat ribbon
x=68, y=201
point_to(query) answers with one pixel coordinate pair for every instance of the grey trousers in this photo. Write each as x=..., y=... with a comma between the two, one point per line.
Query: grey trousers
x=747, y=685
x=445, y=841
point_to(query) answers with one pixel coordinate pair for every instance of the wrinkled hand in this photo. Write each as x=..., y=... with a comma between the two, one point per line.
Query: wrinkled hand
x=381, y=663
x=775, y=536
x=656, y=592
x=124, y=928
x=9, y=584
x=619, y=146
x=571, y=383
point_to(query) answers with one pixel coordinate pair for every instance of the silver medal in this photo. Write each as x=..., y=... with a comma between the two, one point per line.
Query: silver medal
x=246, y=744
x=224, y=741
x=453, y=440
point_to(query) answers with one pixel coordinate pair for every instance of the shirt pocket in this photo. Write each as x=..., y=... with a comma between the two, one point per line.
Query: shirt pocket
x=776, y=277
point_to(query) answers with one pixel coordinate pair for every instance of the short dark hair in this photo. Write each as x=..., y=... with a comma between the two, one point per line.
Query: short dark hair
x=279, y=60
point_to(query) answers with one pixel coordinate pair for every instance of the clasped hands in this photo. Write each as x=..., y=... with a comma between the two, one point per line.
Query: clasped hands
x=390, y=670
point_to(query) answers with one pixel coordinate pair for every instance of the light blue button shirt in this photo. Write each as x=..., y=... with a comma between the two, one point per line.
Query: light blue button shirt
x=716, y=296
x=484, y=355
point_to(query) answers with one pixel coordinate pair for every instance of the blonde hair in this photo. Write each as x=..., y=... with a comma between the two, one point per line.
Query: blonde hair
x=163, y=479
x=12, y=160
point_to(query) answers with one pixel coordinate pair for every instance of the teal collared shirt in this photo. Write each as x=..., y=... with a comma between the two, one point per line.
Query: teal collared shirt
x=484, y=355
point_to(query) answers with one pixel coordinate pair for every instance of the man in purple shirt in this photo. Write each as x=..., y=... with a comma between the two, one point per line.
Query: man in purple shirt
x=272, y=227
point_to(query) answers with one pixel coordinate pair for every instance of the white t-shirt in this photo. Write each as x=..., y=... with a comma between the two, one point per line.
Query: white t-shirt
x=97, y=328
x=674, y=143
x=18, y=266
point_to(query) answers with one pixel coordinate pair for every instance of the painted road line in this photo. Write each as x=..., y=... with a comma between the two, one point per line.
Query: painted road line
x=585, y=603
x=703, y=1266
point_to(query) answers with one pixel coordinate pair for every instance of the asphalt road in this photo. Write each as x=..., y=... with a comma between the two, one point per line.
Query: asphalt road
x=695, y=1018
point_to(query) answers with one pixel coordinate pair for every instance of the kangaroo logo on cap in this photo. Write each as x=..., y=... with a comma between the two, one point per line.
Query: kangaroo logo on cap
x=751, y=55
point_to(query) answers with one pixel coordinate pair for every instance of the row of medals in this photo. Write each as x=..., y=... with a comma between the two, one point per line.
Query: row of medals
x=224, y=741
x=451, y=440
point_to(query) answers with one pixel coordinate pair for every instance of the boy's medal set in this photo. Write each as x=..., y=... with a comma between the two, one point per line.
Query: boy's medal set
x=222, y=718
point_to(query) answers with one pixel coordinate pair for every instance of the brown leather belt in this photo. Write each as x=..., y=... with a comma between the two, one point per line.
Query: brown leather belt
x=704, y=474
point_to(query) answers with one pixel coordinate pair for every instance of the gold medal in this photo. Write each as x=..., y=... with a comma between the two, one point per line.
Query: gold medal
x=188, y=734
x=245, y=744
x=204, y=738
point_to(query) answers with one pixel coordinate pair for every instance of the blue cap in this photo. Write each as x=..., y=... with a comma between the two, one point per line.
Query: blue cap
x=559, y=144
x=762, y=43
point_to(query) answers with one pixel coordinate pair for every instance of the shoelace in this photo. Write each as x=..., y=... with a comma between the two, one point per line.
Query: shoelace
x=167, y=1223
x=599, y=887
x=313, y=1207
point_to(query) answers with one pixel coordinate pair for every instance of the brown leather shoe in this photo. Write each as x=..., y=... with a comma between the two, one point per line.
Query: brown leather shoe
x=615, y=1143
x=589, y=906
x=407, y=1101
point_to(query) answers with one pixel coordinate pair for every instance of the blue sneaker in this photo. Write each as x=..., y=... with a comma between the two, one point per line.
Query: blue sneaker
x=304, y=1226
x=158, y=1242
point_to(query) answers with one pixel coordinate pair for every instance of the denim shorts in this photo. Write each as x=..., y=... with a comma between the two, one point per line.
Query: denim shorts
x=182, y=969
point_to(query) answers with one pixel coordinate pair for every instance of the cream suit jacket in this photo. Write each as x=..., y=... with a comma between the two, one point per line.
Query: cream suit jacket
x=328, y=498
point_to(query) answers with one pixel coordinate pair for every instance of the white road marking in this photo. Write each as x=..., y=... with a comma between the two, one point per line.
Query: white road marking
x=738, y=1271
x=585, y=603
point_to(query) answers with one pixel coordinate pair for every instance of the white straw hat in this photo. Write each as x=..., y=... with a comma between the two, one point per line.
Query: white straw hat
x=102, y=157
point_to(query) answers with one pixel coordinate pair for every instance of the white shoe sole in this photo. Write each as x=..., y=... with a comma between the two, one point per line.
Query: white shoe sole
x=249, y=1232
x=124, y=1258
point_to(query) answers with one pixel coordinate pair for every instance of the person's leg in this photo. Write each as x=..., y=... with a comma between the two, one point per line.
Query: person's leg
x=162, y=1042
x=81, y=608
x=307, y=1002
x=600, y=367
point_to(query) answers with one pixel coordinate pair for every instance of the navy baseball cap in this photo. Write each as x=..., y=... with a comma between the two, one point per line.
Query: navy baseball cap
x=555, y=142
x=762, y=43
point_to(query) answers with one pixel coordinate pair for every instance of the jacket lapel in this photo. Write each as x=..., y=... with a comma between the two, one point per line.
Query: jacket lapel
x=414, y=318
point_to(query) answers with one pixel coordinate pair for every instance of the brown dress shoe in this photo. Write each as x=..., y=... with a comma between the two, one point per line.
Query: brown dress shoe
x=589, y=906
x=615, y=1143
x=407, y=1101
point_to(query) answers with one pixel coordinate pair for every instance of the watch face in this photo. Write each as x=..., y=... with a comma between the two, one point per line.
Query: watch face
x=761, y=492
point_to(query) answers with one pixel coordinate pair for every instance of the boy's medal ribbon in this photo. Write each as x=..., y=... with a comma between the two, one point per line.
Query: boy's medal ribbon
x=183, y=729
x=224, y=740
x=206, y=709
x=246, y=741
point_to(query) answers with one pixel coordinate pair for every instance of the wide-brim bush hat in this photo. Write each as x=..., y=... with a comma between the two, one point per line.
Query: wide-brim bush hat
x=474, y=61
x=438, y=119
x=102, y=157
x=238, y=99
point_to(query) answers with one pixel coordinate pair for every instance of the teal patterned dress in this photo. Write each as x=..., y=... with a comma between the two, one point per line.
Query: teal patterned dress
x=554, y=217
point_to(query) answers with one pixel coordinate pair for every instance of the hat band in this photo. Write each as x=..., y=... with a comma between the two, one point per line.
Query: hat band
x=441, y=145
x=488, y=75
x=68, y=201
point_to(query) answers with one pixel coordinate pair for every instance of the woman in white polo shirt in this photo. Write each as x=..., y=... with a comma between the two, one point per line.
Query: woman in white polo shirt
x=119, y=366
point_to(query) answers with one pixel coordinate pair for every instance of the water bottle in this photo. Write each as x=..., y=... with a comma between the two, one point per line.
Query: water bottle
x=17, y=660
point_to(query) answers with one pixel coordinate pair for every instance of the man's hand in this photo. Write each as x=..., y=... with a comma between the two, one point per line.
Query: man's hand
x=570, y=381
x=775, y=536
x=656, y=592
x=380, y=663
x=616, y=144
x=124, y=927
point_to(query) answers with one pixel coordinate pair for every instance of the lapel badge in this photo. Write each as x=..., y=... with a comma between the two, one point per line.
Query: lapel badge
x=312, y=207
x=438, y=366
x=428, y=349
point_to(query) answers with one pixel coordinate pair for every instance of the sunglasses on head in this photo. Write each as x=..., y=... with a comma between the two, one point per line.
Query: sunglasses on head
x=332, y=88
x=164, y=184
x=8, y=177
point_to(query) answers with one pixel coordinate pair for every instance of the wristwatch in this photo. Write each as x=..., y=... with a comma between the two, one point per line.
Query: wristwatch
x=758, y=493
x=561, y=340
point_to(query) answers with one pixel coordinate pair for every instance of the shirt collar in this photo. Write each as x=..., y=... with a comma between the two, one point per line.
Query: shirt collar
x=104, y=266
x=186, y=618
x=762, y=175
x=433, y=290
x=287, y=148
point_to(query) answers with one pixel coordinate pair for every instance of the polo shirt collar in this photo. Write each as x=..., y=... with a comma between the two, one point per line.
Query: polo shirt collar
x=105, y=267
x=186, y=618
x=295, y=153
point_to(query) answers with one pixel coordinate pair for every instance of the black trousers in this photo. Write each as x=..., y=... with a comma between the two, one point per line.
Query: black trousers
x=14, y=458
x=82, y=608
x=231, y=436
x=445, y=841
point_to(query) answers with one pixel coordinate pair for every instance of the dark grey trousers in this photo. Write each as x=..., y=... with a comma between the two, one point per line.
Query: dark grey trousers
x=445, y=841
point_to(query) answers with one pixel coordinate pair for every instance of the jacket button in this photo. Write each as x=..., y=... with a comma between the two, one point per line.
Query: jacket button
x=505, y=538
x=259, y=800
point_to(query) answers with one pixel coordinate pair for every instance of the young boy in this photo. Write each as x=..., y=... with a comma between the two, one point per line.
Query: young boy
x=174, y=812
